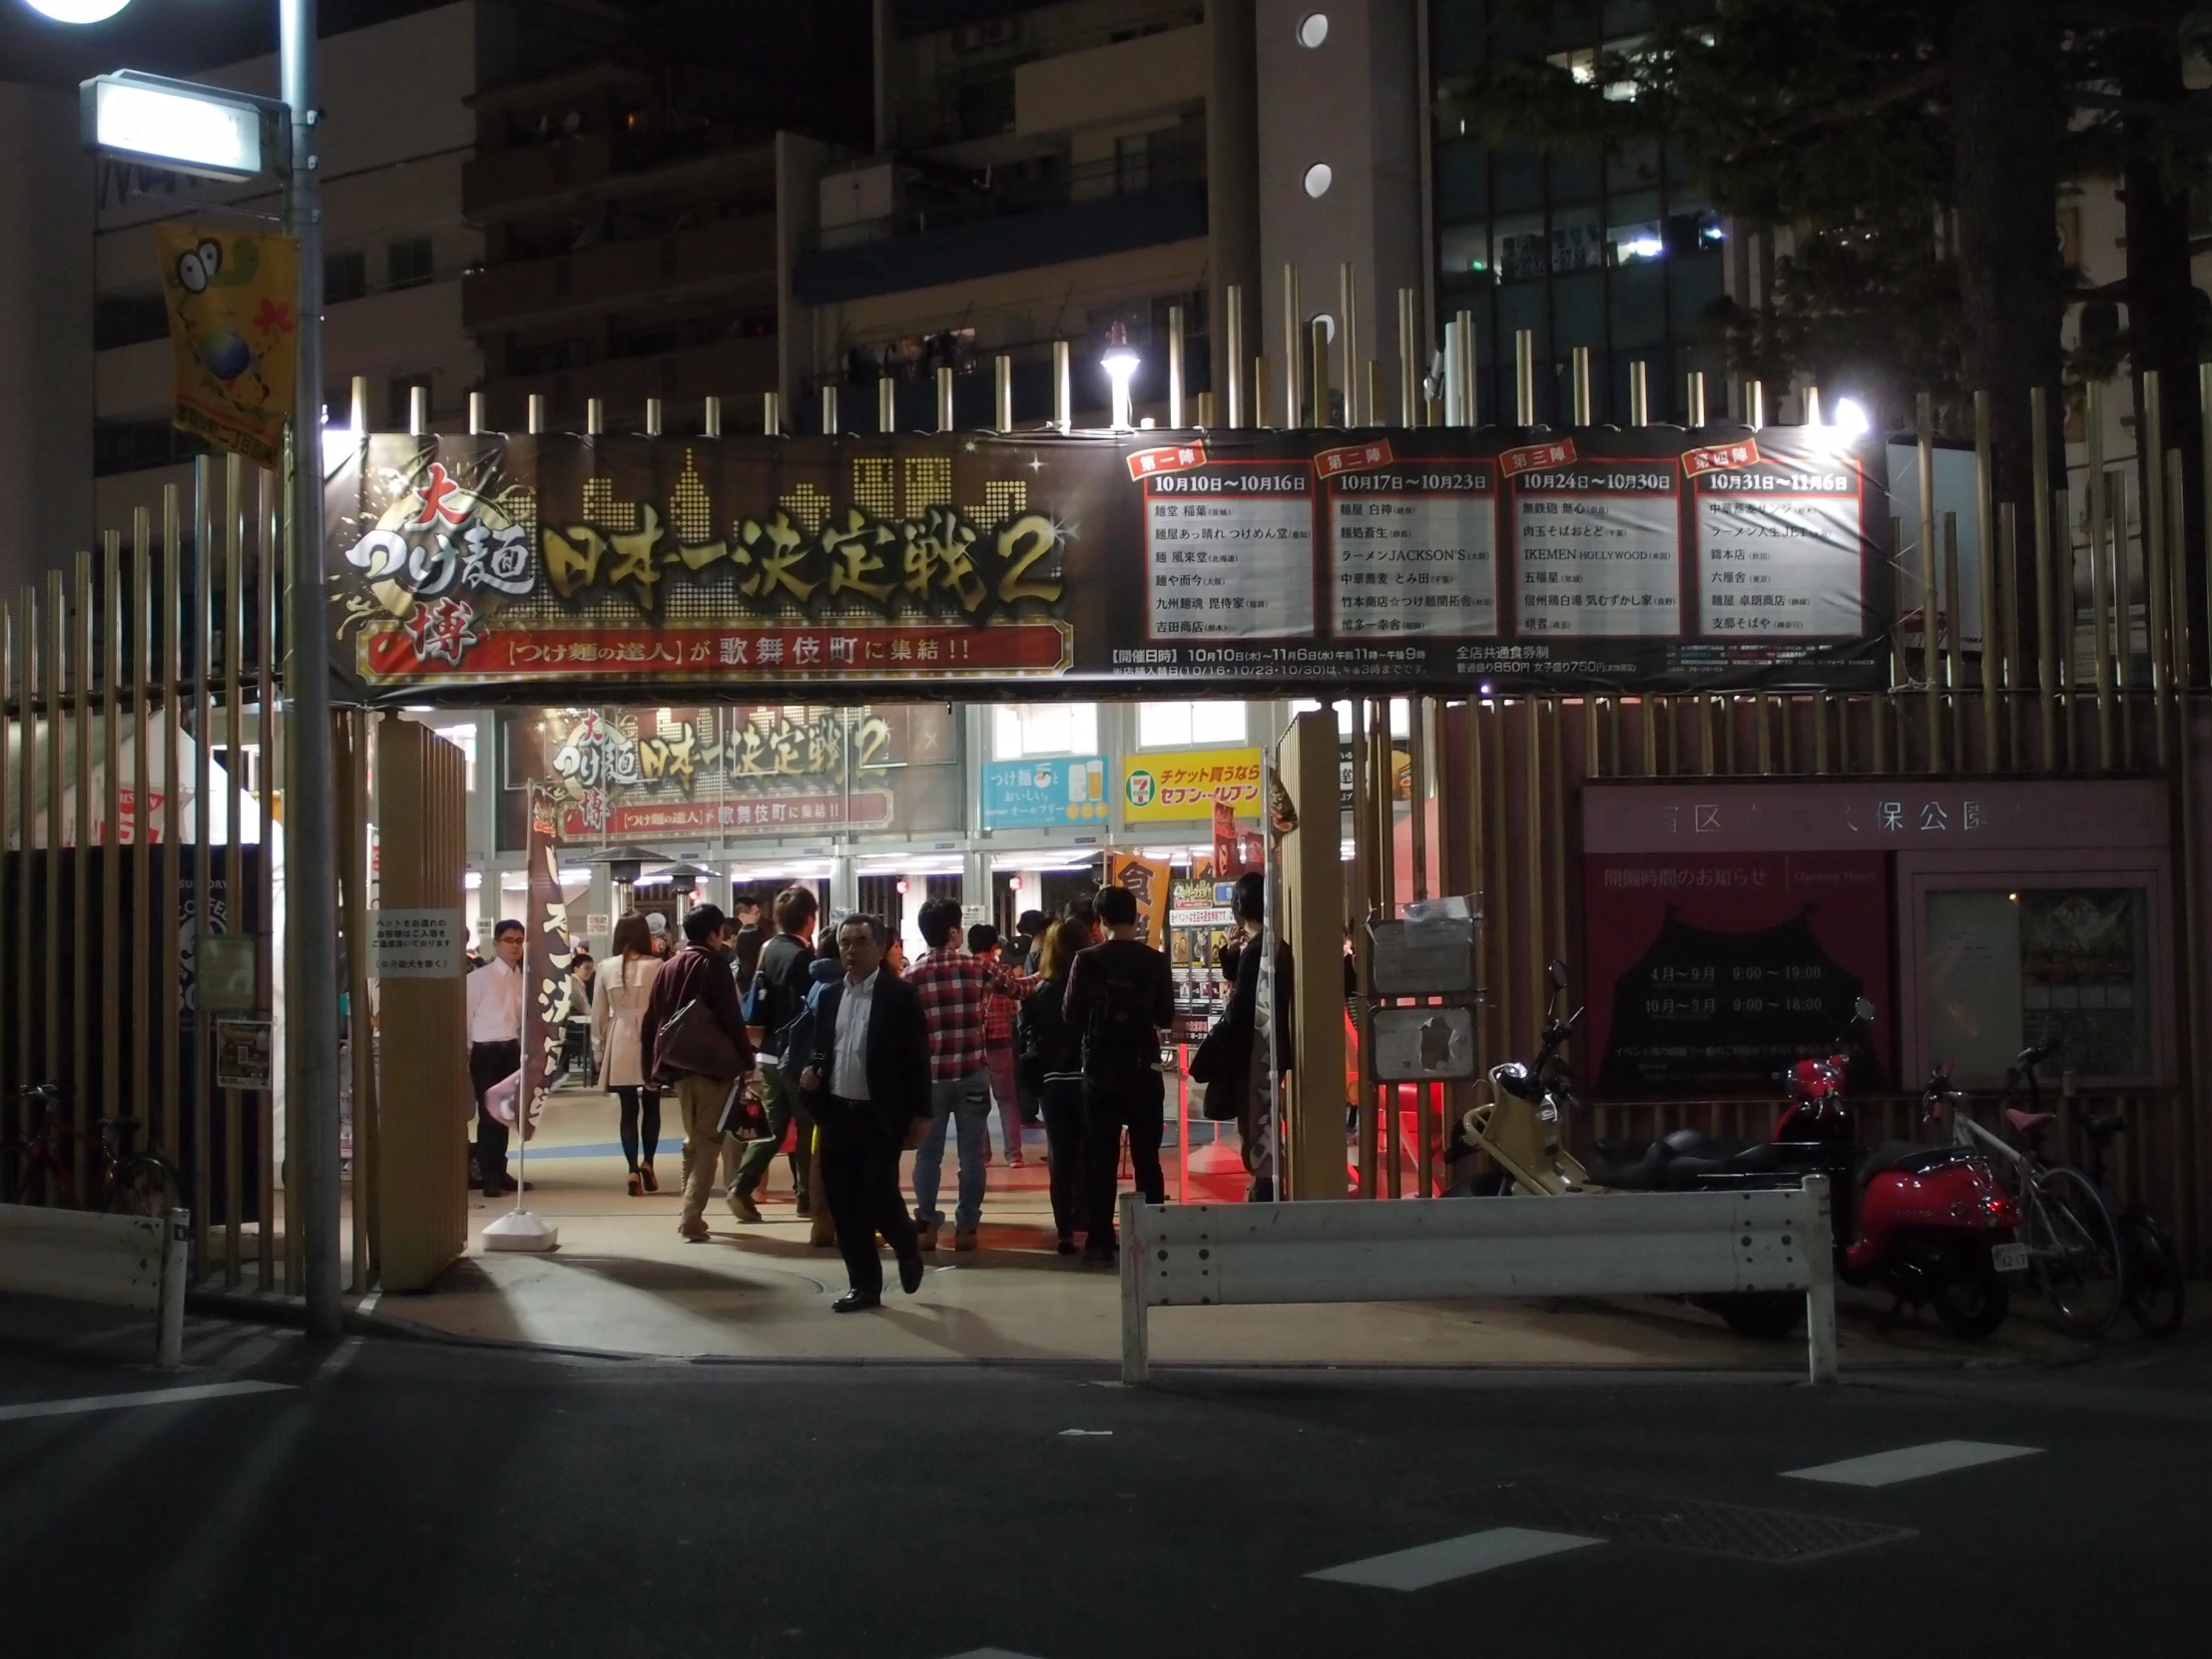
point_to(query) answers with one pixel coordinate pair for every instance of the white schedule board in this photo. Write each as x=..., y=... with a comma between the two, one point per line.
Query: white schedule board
x=1230, y=551
x=1414, y=550
x=1600, y=550
x=1779, y=552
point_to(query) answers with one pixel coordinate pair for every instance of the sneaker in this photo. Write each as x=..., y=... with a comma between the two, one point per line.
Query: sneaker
x=925, y=1234
x=964, y=1239
x=1014, y=1160
x=745, y=1209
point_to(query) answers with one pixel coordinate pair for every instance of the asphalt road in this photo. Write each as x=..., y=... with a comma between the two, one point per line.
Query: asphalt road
x=394, y=1497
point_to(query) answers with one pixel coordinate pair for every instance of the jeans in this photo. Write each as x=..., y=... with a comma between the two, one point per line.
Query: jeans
x=998, y=1066
x=781, y=1100
x=1105, y=1116
x=1063, y=1133
x=967, y=1101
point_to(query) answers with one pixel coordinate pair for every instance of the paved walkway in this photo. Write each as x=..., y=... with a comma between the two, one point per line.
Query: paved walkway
x=623, y=1281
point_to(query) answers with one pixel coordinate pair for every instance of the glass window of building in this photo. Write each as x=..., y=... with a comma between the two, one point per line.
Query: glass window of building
x=1022, y=730
x=1189, y=724
x=463, y=738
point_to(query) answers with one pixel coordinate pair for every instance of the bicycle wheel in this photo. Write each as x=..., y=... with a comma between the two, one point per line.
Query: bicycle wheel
x=2154, y=1278
x=2083, y=1265
x=144, y=1186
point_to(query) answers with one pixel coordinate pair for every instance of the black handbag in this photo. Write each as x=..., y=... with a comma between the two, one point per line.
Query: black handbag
x=1221, y=1064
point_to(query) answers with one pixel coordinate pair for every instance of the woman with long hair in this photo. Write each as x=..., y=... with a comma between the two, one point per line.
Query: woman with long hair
x=1049, y=1051
x=616, y=1017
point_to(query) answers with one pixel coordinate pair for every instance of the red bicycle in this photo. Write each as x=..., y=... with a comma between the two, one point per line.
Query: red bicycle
x=42, y=1171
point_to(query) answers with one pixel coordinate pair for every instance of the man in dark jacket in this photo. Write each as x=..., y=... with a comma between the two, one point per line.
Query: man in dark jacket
x=698, y=972
x=1120, y=995
x=784, y=986
x=870, y=1075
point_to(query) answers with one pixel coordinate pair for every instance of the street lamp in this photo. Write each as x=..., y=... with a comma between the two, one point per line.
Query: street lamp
x=310, y=845
x=1852, y=418
x=1120, y=364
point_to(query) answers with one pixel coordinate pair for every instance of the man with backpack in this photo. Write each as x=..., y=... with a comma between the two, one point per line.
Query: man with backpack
x=777, y=996
x=1120, y=995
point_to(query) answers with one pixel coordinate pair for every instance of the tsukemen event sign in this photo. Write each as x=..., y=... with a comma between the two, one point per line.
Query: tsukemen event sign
x=539, y=569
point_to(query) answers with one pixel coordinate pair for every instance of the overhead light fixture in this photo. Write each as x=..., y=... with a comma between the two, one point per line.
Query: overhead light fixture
x=209, y=132
x=1852, y=418
x=1120, y=364
x=77, y=11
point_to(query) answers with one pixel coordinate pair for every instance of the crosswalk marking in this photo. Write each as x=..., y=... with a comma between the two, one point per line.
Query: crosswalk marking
x=1418, y=1568
x=1912, y=1462
x=149, y=1397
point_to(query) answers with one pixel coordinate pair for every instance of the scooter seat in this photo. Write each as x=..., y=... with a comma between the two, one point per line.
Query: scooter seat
x=2029, y=1122
x=1724, y=1157
x=1629, y=1165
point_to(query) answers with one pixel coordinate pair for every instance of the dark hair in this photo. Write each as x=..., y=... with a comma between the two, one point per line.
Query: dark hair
x=703, y=922
x=500, y=929
x=1251, y=899
x=981, y=938
x=745, y=901
x=873, y=923
x=1061, y=942
x=578, y=954
x=795, y=909
x=1117, y=906
x=632, y=934
x=940, y=921
x=1032, y=923
x=1081, y=905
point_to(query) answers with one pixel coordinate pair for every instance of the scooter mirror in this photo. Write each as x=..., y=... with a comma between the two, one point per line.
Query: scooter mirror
x=1556, y=972
x=1863, y=1009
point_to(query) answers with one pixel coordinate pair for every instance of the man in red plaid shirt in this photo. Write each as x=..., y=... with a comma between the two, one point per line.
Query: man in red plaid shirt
x=998, y=1048
x=956, y=993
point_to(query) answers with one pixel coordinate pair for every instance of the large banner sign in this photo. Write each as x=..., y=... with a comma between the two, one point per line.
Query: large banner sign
x=1229, y=563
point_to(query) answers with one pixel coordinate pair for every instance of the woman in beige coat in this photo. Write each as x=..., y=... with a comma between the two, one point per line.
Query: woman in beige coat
x=625, y=986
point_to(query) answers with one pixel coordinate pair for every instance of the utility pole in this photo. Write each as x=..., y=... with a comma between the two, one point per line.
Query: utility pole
x=311, y=852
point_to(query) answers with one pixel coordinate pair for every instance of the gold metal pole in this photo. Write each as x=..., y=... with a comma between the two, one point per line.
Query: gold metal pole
x=1234, y=355
x=112, y=1100
x=1985, y=541
x=1384, y=831
x=1376, y=402
x=1293, y=327
x=2154, y=549
x=2120, y=576
x=1525, y=377
x=207, y=529
x=54, y=679
x=1697, y=398
x=1470, y=405
x=169, y=1018
x=2204, y=403
x=1755, y=406
x=1175, y=375
x=2062, y=549
x=2009, y=601
x=886, y=401
x=1348, y=326
x=1579, y=415
x=945, y=398
x=2046, y=644
x=265, y=884
x=83, y=684
x=2177, y=578
x=233, y=862
x=1002, y=384
x=1409, y=364
x=2100, y=613
x=1929, y=605
x=1259, y=389
x=1063, y=389
x=1955, y=641
x=1317, y=363
x=1639, y=394
x=1362, y=955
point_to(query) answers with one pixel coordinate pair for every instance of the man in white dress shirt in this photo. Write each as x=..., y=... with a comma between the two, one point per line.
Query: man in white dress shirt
x=495, y=1048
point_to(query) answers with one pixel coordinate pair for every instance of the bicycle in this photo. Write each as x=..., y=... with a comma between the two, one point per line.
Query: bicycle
x=2069, y=1243
x=2153, y=1268
x=127, y=1183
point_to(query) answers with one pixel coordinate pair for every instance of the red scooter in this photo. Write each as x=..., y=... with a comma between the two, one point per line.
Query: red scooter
x=1917, y=1220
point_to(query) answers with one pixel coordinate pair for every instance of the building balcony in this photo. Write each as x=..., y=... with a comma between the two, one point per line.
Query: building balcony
x=503, y=183
x=685, y=264
x=991, y=245
x=1110, y=86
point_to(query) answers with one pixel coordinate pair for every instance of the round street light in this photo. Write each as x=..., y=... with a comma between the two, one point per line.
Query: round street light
x=1120, y=364
x=1852, y=418
x=77, y=11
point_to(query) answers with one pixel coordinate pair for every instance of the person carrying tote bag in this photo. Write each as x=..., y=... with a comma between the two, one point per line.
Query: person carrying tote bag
x=695, y=1044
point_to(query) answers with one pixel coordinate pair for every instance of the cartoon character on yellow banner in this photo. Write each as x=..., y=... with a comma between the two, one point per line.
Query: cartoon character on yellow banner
x=234, y=332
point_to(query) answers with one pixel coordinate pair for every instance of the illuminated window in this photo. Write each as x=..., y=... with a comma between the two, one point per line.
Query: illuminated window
x=462, y=738
x=1189, y=724
x=1021, y=730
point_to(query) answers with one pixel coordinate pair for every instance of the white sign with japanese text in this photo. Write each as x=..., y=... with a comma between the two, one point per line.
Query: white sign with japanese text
x=1230, y=552
x=1411, y=562
x=1779, y=553
x=415, y=944
x=1595, y=563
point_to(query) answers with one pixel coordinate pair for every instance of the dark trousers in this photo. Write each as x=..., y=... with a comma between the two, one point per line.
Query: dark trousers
x=490, y=1063
x=641, y=1125
x=858, y=1174
x=1106, y=1115
x=1063, y=1139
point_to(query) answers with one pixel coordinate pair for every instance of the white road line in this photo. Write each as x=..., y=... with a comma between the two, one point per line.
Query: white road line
x=1912, y=1462
x=1418, y=1569
x=150, y=1397
x=990, y=1653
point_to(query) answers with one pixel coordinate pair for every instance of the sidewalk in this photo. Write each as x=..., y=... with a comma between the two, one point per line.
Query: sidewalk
x=623, y=1281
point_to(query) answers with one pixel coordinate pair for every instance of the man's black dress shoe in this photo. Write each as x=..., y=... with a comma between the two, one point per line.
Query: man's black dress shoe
x=855, y=1302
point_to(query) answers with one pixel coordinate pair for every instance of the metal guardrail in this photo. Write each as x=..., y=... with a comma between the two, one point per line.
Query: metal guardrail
x=1628, y=1244
x=133, y=1261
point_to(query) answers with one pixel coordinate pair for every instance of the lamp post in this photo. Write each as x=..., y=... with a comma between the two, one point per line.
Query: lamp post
x=1120, y=364
x=310, y=854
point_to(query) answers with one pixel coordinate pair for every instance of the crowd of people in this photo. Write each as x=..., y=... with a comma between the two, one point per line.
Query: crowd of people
x=829, y=1040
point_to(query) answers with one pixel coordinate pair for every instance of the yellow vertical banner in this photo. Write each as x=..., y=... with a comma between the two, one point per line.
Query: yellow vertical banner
x=234, y=326
x=1147, y=878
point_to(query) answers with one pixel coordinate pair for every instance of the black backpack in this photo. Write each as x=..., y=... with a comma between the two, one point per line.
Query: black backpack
x=1121, y=1045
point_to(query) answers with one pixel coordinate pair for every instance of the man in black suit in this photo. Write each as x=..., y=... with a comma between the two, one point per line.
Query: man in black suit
x=869, y=1076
